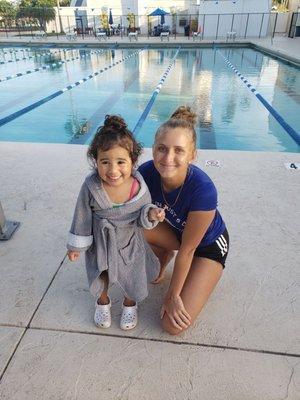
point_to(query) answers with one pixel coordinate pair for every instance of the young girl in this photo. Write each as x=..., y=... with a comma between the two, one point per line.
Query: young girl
x=193, y=224
x=113, y=206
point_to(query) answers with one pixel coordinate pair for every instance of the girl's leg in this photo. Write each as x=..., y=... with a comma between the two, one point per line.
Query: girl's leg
x=128, y=302
x=104, y=299
x=102, y=316
x=129, y=316
x=163, y=242
x=202, y=278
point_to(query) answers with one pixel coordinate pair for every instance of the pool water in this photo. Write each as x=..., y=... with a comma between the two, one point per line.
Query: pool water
x=230, y=117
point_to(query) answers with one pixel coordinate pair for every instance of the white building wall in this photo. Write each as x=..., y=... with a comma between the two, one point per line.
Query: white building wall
x=246, y=18
x=294, y=5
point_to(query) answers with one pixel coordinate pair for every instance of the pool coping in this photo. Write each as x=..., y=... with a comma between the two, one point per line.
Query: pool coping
x=279, y=54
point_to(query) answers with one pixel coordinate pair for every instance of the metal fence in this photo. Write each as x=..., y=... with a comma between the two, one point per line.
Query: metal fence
x=295, y=25
x=81, y=22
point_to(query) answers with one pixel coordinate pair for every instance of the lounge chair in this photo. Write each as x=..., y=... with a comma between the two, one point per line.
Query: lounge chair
x=71, y=35
x=165, y=35
x=197, y=35
x=101, y=35
x=133, y=35
x=230, y=36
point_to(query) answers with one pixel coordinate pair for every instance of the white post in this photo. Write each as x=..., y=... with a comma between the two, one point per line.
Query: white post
x=7, y=228
x=59, y=16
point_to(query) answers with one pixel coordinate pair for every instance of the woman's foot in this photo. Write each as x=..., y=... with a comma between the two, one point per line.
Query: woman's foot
x=129, y=316
x=102, y=316
x=164, y=261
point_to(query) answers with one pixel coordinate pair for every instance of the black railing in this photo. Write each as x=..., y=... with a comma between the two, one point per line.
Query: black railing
x=208, y=26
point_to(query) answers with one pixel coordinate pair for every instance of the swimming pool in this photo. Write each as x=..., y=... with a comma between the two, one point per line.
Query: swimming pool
x=41, y=106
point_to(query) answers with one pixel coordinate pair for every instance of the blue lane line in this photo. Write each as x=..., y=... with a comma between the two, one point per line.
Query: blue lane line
x=38, y=103
x=290, y=92
x=295, y=135
x=153, y=97
x=18, y=74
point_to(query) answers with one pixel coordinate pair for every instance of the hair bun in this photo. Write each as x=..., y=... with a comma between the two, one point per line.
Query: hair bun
x=114, y=121
x=185, y=113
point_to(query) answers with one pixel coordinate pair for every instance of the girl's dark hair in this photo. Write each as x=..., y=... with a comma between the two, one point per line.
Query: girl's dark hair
x=113, y=133
x=183, y=117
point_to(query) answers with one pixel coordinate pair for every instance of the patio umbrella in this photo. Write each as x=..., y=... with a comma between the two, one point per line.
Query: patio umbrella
x=158, y=12
x=110, y=20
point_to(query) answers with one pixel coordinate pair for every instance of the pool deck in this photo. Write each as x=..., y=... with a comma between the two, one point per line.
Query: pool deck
x=280, y=46
x=244, y=345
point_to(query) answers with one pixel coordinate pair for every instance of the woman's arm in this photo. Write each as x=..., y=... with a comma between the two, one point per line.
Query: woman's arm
x=196, y=225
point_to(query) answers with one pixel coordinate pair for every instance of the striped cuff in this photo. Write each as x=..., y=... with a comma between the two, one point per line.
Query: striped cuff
x=79, y=242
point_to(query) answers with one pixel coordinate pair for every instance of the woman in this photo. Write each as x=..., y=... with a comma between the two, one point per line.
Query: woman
x=193, y=225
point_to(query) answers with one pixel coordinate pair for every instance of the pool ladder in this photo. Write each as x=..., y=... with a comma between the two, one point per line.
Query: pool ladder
x=7, y=228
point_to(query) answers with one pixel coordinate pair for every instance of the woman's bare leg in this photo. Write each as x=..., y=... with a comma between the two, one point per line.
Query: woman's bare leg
x=164, y=256
x=202, y=278
x=163, y=242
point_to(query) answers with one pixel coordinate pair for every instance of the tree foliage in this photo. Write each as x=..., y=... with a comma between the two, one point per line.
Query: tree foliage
x=41, y=11
x=280, y=5
x=64, y=3
x=7, y=11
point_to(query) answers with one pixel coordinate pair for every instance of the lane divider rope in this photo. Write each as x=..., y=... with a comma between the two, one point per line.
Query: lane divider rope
x=295, y=135
x=38, y=103
x=29, y=57
x=154, y=95
x=18, y=74
x=31, y=50
x=10, y=51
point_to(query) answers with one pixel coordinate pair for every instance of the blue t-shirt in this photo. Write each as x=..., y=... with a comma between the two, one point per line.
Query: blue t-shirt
x=197, y=194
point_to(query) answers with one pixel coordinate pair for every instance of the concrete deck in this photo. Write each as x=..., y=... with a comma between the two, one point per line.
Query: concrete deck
x=245, y=344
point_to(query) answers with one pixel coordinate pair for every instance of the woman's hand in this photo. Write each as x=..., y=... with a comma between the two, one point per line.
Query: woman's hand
x=175, y=310
x=156, y=214
x=73, y=255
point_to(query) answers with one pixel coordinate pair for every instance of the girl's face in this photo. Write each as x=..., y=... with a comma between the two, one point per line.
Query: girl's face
x=173, y=150
x=114, y=165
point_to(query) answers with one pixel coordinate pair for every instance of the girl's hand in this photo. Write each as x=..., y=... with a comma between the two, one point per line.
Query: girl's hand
x=156, y=214
x=73, y=255
x=174, y=308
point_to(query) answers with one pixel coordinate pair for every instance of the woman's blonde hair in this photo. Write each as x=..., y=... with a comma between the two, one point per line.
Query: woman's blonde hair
x=185, y=113
x=183, y=117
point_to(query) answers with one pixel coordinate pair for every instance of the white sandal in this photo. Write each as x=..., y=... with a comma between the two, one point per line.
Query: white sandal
x=129, y=317
x=102, y=317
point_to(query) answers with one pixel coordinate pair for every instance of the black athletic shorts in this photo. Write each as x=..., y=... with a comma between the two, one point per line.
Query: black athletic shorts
x=216, y=251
